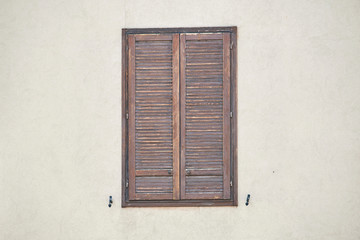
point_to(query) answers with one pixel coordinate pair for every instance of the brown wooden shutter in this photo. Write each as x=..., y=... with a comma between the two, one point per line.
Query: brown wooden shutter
x=205, y=115
x=153, y=116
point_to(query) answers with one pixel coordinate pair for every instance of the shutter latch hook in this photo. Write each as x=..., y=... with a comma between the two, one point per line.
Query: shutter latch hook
x=110, y=201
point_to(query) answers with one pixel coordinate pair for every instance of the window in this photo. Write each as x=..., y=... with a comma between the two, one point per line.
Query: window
x=179, y=117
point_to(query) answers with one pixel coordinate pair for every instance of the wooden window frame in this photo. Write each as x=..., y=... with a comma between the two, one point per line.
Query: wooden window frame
x=233, y=201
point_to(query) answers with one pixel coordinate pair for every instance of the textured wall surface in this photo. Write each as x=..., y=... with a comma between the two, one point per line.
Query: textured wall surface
x=299, y=120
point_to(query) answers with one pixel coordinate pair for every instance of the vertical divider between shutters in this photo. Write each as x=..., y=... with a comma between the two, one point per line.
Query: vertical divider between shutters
x=131, y=95
x=226, y=115
x=176, y=117
x=182, y=113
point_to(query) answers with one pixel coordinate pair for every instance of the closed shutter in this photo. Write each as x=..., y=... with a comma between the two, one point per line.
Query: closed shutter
x=179, y=136
x=205, y=115
x=153, y=116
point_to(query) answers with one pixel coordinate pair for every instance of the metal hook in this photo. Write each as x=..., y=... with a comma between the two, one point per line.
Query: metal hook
x=110, y=201
x=247, y=200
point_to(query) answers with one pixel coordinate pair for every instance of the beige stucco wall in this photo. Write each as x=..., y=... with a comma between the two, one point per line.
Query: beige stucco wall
x=299, y=120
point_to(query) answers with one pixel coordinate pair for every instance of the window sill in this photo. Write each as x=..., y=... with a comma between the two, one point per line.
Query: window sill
x=180, y=203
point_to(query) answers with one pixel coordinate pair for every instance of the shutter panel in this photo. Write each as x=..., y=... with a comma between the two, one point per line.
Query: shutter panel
x=205, y=115
x=153, y=77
